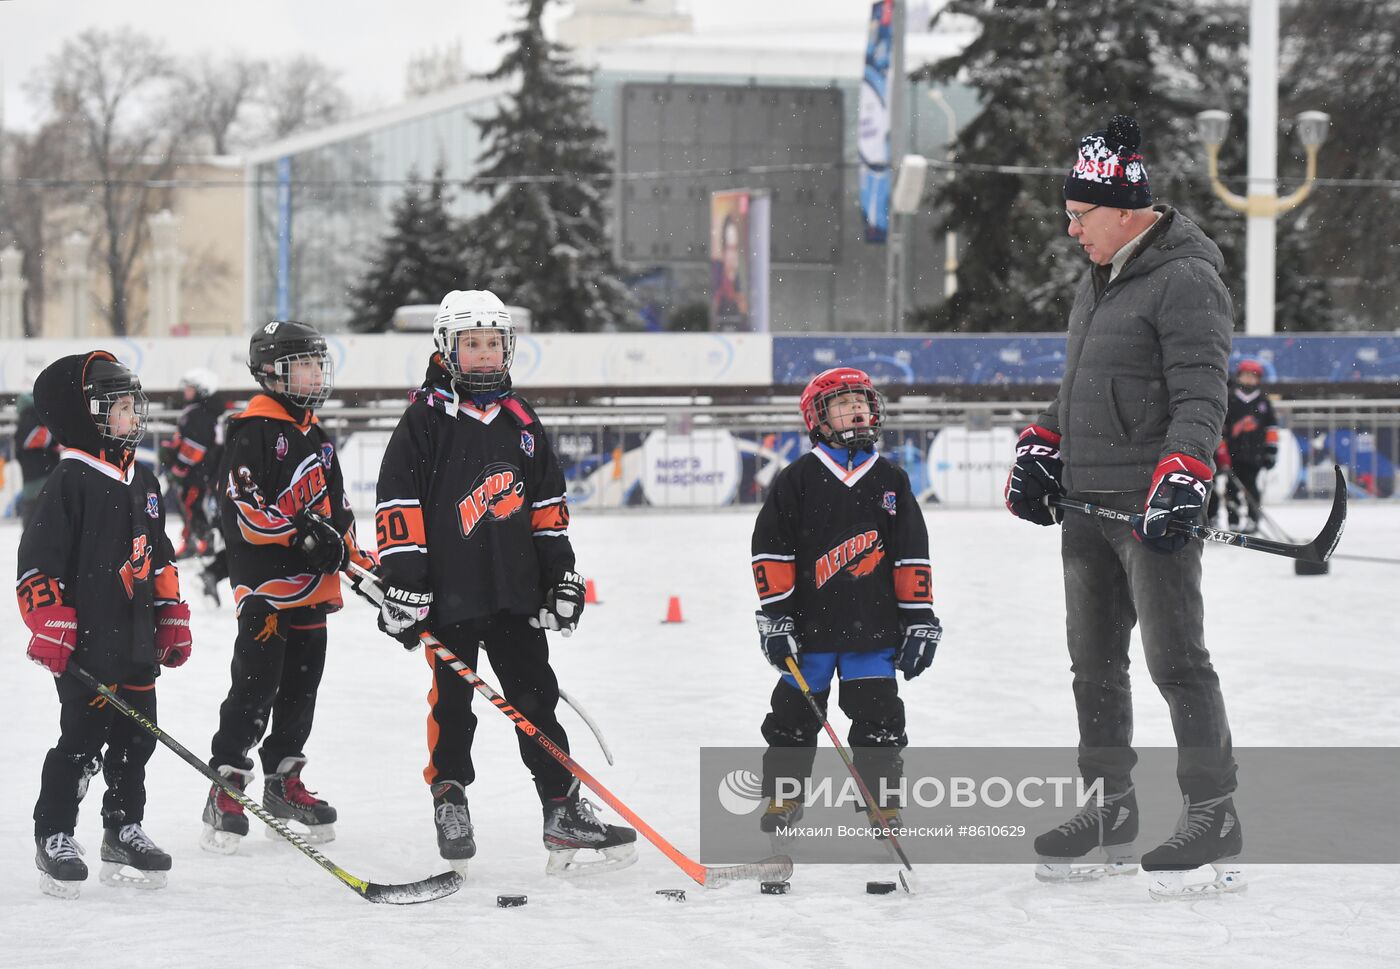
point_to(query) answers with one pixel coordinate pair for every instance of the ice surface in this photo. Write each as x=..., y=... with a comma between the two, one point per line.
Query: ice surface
x=1303, y=661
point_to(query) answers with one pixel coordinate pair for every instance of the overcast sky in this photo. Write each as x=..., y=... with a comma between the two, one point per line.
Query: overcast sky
x=370, y=52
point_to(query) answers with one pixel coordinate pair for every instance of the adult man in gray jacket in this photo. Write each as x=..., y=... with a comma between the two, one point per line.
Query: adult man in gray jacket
x=1134, y=427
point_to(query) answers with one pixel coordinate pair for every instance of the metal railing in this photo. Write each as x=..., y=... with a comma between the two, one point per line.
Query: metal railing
x=688, y=455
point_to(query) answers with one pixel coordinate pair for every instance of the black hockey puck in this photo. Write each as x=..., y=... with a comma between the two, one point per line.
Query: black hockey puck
x=879, y=888
x=672, y=894
x=773, y=888
x=510, y=901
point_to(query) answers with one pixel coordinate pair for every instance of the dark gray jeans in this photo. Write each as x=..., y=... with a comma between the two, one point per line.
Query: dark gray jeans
x=1113, y=581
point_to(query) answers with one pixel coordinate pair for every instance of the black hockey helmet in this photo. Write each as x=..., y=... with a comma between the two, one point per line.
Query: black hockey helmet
x=106, y=384
x=276, y=348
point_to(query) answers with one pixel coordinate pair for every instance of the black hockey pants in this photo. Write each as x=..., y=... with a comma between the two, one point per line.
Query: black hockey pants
x=519, y=656
x=278, y=658
x=87, y=723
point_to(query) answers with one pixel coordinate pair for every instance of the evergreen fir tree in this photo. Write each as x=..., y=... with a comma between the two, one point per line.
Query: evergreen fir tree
x=419, y=261
x=1050, y=71
x=543, y=243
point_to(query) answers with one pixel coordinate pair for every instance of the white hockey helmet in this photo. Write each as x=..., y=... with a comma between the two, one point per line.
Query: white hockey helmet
x=204, y=382
x=473, y=309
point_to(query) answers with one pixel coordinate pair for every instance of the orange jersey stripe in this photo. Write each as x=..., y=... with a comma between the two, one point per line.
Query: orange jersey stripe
x=913, y=583
x=168, y=584
x=550, y=518
x=774, y=577
x=37, y=590
x=396, y=526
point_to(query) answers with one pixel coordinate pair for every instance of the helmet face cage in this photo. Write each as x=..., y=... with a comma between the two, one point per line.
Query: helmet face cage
x=105, y=393
x=447, y=335
x=859, y=436
x=295, y=386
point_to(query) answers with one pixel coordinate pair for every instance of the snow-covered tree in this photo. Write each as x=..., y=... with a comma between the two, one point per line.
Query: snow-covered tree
x=419, y=261
x=1048, y=72
x=544, y=242
x=1341, y=57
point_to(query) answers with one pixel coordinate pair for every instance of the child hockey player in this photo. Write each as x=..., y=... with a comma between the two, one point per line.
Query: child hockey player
x=472, y=522
x=1251, y=437
x=97, y=587
x=841, y=563
x=191, y=458
x=288, y=530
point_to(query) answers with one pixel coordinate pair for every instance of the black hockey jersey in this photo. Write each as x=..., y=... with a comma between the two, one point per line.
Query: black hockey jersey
x=471, y=504
x=192, y=455
x=844, y=553
x=1251, y=426
x=97, y=540
x=273, y=467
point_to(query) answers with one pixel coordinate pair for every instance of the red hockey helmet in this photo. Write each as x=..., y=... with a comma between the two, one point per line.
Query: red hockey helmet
x=1250, y=366
x=824, y=388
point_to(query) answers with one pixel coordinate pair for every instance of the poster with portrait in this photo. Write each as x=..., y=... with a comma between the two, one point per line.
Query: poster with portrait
x=739, y=246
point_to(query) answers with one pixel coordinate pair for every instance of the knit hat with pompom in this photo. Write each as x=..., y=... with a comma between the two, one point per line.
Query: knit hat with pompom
x=1110, y=170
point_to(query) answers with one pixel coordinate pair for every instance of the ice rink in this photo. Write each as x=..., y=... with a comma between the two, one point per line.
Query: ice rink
x=1303, y=661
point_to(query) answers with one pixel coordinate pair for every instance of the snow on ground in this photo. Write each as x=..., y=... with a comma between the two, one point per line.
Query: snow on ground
x=1303, y=660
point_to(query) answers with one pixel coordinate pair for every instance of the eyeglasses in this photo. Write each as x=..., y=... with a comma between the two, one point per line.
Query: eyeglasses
x=1079, y=216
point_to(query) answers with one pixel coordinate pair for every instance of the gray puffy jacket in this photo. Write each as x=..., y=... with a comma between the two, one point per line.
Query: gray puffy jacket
x=1145, y=372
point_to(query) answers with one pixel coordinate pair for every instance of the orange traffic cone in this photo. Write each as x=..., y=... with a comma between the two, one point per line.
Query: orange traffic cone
x=673, y=610
x=590, y=594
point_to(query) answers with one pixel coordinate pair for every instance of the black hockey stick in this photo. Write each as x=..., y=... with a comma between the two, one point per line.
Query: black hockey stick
x=776, y=868
x=907, y=879
x=1278, y=529
x=426, y=890
x=1318, y=550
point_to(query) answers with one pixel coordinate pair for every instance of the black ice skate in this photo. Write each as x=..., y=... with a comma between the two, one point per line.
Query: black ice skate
x=59, y=860
x=224, y=820
x=570, y=826
x=210, y=584
x=130, y=859
x=1208, y=834
x=455, y=837
x=780, y=814
x=286, y=797
x=1112, y=826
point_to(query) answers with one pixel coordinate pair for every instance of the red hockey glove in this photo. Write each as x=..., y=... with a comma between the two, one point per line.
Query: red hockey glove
x=1179, y=489
x=173, y=642
x=53, y=636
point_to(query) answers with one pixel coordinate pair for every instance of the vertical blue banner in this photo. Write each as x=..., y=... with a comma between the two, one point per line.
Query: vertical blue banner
x=284, y=236
x=873, y=124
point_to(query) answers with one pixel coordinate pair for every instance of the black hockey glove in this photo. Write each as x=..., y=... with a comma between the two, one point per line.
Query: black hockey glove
x=563, y=605
x=320, y=543
x=921, y=640
x=1178, y=494
x=777, y=637
x=1035, y=477
x=1270, y=454
x=403, y=614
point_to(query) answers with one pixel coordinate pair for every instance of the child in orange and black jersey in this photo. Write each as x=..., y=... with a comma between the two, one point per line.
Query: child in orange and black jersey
x=98, y=587
x=288, y=531
x=472, y=522
x=841, y=564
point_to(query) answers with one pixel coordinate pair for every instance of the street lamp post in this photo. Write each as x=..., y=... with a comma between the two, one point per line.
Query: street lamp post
x=1261, y=206
x=950, y=238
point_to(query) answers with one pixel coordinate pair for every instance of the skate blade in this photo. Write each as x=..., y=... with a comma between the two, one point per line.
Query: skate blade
x=312, y=834
x=59, y=889
x=1064, y=873
x=118, y=875
x=459, y=865
x=219, y=842
x=1172, y=885
x=562, y=863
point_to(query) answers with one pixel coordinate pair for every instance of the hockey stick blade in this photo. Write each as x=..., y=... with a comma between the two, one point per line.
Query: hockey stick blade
x=777, y=868
x=1319, y=550
x=409, y=893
